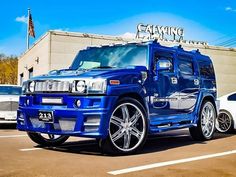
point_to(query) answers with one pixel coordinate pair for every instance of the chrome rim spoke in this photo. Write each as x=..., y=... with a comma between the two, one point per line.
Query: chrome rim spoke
x=127, y=139
x=134, y=131
x=51, y=136
x=125, y=113
x=135, y=118
x=116, y=121
x=118, y=134
x=204, y=114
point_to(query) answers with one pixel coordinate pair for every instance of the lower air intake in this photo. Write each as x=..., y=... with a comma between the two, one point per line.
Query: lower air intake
x=67, y=125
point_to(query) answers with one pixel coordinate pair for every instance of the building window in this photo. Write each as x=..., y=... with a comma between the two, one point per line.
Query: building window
x=31, y=70
x=21, y=78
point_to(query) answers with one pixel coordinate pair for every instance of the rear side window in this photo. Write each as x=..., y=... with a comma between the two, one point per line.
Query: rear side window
x=232, y=97
x=206, y=70
x=185, y=67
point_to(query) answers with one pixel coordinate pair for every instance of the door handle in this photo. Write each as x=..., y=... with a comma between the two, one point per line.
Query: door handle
x=174, y=80
x=196, y=81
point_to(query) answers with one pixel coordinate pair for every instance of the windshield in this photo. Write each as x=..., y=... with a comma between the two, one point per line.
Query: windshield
x=115, y=56
x=10, y=90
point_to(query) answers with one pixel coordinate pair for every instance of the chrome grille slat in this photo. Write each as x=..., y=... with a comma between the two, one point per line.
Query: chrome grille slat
x=8, y=106
x=52, y=86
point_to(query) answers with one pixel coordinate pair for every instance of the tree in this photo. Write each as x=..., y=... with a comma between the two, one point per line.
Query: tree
x=8, y=69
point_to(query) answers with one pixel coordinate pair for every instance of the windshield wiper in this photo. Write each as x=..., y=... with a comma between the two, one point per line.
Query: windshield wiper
x=102, y=67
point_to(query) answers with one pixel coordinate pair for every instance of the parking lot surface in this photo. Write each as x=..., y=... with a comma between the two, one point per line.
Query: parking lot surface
x=167, y=154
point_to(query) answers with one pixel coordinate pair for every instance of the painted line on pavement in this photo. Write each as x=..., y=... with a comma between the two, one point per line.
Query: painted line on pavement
x=12, y=136
x=58, y=147
x=30, y=149
x=168, y=136
x=168, y=163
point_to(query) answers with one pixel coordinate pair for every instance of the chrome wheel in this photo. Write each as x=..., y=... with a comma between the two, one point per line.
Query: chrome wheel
x=50, y=137
x=127, y=127
x=208, y=119
x=224, y=122
x=47, y=139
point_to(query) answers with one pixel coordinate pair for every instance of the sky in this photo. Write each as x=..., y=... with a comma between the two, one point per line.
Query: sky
x=203, y=20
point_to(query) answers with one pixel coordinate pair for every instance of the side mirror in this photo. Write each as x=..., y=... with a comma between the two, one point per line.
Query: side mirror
x=162, y=65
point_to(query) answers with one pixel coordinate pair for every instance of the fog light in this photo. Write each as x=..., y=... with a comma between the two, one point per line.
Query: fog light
x=78, y=103
x=21, y=116
x=27, y=102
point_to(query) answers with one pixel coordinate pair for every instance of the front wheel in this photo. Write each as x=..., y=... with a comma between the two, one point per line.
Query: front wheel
x=224, y=122
x=127, y=128
x=206, y=123
x=47, y=139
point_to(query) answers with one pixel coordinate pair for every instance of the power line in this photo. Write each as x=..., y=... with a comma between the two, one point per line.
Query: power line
x=227, y=41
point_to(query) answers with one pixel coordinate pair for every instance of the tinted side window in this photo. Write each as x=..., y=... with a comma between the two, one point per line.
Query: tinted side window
x=206, y=70
x=185, y=67
x=232, y=97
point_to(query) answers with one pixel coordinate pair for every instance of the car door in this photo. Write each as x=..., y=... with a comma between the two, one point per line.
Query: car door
x=164, y=89
x=188, y=78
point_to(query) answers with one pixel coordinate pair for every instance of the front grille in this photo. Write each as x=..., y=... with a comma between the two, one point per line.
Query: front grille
x=52, y=86
x=8, y=106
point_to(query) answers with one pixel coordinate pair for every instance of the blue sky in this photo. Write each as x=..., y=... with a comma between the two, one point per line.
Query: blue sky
x=211, y=21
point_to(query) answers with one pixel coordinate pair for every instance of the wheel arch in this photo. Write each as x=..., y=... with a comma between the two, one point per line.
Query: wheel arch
x=136, y=96
x=204, y=98
x=209, y=98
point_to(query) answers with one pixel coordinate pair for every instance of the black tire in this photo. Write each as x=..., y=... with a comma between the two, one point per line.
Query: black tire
x=227, y=120
x=41, y=140
x=198, y=132
x=111, y=146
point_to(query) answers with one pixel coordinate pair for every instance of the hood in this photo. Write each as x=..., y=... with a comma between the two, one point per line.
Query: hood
x=92, y=73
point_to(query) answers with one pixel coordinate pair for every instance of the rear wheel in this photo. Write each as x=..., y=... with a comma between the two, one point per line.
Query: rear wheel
x=206, y=124
x=127, y=128
x=47, y=139
x=224, y=122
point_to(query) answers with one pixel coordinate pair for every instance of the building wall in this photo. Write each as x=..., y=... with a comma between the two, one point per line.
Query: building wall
x=36, y=58
x=225, y=68
x=64, y=47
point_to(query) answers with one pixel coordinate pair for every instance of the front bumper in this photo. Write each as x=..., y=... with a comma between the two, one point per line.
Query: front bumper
x=89, y=120
x=8, y=116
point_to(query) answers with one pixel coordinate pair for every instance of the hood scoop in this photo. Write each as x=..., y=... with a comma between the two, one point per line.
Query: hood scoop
x=65, y=72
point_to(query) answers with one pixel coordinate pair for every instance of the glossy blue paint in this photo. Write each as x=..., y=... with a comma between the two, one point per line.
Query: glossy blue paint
x=172, y=97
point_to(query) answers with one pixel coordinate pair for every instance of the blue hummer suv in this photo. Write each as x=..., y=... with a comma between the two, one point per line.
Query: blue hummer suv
x=119, y=94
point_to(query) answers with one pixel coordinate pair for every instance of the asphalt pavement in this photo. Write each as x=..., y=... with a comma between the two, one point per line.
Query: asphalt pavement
x=172, y=154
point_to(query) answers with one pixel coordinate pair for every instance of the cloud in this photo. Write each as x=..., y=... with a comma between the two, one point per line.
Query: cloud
x=128, y=35
x=22, y=19
x=61, y=29
x=230, y=9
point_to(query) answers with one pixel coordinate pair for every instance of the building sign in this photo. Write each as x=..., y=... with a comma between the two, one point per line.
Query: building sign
x=159, y=32
x=163, y=33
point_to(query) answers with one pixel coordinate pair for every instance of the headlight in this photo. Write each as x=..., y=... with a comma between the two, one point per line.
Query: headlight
x=31, y=86
x=80, y=86
x=97, y=86
x=90, y=86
